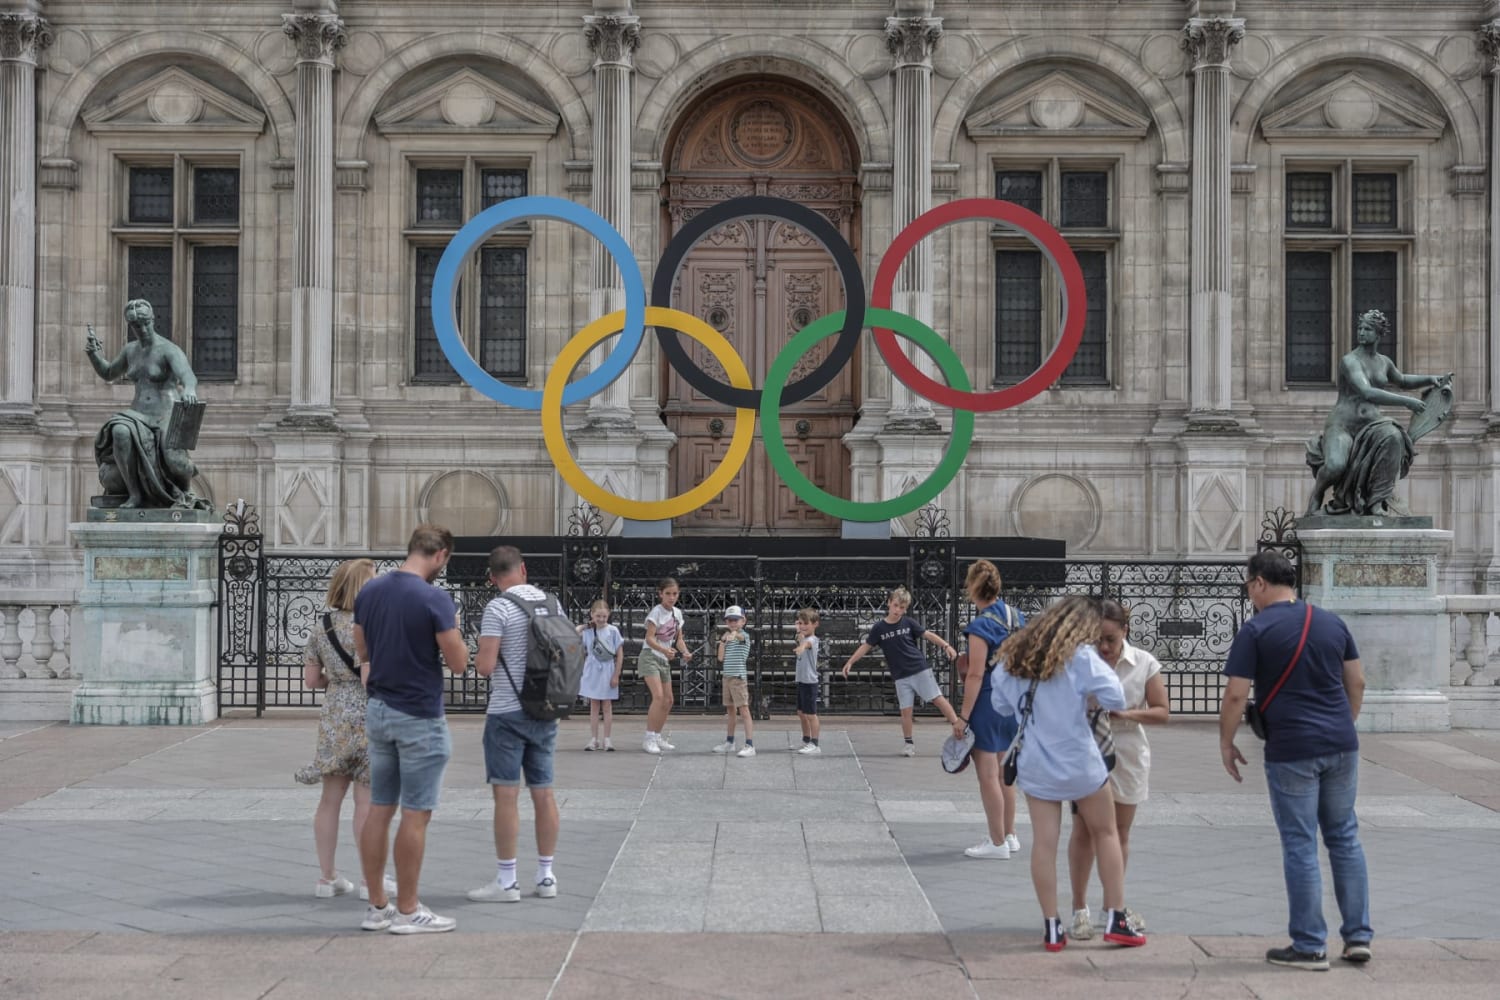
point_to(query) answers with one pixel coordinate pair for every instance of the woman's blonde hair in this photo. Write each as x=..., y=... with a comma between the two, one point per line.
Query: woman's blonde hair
x=983, y=582
x=348, y=578
x=1041, y=649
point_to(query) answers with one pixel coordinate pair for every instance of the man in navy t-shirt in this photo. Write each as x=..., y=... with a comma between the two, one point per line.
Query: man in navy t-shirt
x=402, y=625
x=1312, y=753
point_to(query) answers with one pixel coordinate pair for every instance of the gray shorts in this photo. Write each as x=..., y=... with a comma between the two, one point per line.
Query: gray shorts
x=923, y=685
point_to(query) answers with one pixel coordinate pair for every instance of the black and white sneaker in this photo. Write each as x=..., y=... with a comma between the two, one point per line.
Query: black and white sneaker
x=547, y=888
x=1054, y=938
x=1291, y=958
x=1357, y=952
x=1121, y=931
x=422, y=921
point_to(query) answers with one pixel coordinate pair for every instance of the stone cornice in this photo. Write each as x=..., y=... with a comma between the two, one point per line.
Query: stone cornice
x=613, y=38
x=912, y=39
x=22, y=36
x=1209, y=40
x=1489, y=44
x=316, y=36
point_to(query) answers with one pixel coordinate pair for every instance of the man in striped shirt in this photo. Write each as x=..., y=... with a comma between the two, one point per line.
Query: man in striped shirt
x=734, y=654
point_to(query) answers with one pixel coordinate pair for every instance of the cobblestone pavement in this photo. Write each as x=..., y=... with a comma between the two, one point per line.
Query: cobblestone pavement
x=166, y=862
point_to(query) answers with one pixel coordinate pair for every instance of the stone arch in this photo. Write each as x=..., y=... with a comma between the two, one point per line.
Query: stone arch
x=1404, y=59
x=814, y=66
x=58, y=125
x=353, y=124
x=1094, y=52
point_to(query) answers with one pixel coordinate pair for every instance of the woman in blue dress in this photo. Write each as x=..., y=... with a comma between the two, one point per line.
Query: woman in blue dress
x=1048, y=673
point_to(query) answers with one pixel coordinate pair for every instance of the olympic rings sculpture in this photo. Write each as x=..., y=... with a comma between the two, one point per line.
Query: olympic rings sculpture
x=630, y=324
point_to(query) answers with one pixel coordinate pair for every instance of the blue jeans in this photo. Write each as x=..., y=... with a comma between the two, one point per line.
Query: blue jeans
x=516, y=744
x=407, y=757
x=1306, y=795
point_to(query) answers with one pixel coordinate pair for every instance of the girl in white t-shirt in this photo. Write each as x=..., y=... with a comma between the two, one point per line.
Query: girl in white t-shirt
x=1145, y=703
x=663, y=632
x=604, y=658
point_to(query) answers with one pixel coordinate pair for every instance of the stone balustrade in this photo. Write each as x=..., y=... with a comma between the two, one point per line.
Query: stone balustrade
x=1469, y=617
x=35, y=640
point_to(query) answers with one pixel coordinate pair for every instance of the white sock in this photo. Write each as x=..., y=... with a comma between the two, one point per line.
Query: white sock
x=543, y=869
x=506, y=872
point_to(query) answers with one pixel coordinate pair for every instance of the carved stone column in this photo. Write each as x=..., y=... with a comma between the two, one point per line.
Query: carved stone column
x=911, y=41
x=317, y=37
x=1209, y=41
x=22, y=36
x=613, y=37
x=1489, y=42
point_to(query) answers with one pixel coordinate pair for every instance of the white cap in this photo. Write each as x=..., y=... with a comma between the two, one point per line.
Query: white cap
x=734, y=611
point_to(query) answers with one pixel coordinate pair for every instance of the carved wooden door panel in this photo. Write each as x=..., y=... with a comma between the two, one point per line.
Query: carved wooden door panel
x=759, y=281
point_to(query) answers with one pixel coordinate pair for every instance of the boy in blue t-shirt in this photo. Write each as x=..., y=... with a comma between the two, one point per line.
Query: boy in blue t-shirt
x=897, y=635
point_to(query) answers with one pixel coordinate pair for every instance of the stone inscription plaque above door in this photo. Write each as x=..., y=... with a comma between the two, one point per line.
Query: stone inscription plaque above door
x=758, y=282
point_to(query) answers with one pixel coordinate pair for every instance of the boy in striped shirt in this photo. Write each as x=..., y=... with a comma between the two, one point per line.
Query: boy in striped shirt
x=734, y=654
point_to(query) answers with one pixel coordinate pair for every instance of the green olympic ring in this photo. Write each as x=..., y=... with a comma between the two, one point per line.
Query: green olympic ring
x=922, y=336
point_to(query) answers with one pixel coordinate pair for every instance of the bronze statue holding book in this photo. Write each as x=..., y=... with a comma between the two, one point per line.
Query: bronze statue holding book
x=143, y=451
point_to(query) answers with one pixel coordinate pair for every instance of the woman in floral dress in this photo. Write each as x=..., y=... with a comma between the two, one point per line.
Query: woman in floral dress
x=342, y=757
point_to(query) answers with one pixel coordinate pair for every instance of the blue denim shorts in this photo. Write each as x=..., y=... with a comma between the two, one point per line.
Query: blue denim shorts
x=407, y=757
x=516, y=744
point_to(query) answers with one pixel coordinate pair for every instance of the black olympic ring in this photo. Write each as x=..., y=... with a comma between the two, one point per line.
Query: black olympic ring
x=820, y=229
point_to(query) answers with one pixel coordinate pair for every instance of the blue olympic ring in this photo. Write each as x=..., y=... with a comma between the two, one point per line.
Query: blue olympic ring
x=482, y=227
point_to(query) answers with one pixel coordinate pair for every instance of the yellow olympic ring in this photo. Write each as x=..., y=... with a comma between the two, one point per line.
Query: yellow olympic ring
x=557, y=446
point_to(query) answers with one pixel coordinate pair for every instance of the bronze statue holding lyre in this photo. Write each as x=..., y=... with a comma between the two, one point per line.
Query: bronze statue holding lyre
x=1362, y=454
x=143, y=451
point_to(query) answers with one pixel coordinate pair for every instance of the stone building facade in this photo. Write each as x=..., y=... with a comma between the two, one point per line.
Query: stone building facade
x=1238, y=178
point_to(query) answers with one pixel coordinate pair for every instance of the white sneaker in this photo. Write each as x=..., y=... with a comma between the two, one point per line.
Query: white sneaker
x=1013, y=842
x=908, y=750
x=494, y=892
x=988, y=850
x=379, y=918
x=726, y=747
x=388, y=882
x=650, y=746
x=591, y=745
x=608, y=745
x=1083, y=927
x=337, y=886
x=423, y=921
x=661, y=741
x=749, y=751
x=547, y=888
x=810, y=749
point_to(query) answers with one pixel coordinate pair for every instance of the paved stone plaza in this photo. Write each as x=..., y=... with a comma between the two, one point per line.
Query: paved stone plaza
x=178, y=862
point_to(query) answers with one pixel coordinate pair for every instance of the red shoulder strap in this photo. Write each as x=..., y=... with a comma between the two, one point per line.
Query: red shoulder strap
x=1306, y=624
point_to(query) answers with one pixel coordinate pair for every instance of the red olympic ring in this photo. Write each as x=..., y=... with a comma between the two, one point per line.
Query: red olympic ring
x=1046, y=239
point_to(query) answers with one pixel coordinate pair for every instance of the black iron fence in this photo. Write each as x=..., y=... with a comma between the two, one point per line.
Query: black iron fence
x=1185, y=613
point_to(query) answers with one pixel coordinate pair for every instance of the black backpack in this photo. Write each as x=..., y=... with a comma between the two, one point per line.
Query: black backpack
x=554, y=660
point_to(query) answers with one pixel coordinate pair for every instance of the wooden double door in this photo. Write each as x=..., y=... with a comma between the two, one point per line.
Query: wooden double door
x=758, y=281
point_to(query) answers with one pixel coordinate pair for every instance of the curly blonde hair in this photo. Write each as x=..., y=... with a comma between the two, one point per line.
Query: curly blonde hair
x=1041, y=649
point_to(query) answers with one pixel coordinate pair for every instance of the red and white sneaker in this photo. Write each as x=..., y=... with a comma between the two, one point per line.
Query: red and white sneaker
x=1054, y=938
x=1122, y=932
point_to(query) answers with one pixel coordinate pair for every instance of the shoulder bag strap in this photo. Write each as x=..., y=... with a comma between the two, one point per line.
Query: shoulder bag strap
x=333, y=640
x=1026, y=711
x=499, y=654
x=1306, y=624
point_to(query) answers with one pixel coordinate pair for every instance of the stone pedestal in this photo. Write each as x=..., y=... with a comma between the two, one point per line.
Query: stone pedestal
x=144, y=647
x=1384, y=584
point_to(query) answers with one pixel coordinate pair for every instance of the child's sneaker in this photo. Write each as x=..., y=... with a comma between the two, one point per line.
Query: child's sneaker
x=494, y=892
x=422, y=921
x=810, y=749
x=988, y=850
x=1013, y=842
x=661, y=741
x=1083, y=925
x=1120, y=932
x=749, y=751
x=378, y=918
x=650, y=745
x=909, y=749
x=1054, y=938
x=608, y=745
x=726, y=747
x=327, y=888
x=591, y=745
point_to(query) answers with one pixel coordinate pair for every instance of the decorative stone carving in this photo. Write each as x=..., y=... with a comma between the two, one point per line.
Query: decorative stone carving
x=1208, y=40
x=22, y=36
x=464, y=101
x=174, y=103
x=613, y=38
x=1061, y=104
x=316, y=36
x=911, y=39
x=1489, y=44
x=173, y=100
x=761, y=131
x=1354, y=103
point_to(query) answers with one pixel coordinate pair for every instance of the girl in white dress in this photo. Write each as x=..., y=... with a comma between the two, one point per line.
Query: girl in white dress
x=604, y=658
x=1145, y=704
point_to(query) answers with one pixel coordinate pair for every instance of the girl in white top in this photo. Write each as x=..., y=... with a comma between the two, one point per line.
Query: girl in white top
x=604, y=658
x=1145, y=703
x=1050, y=671
x=663, y=632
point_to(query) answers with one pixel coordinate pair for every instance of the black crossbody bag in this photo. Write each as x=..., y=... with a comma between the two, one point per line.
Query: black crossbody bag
x=1256, y=714
x=333, y=640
